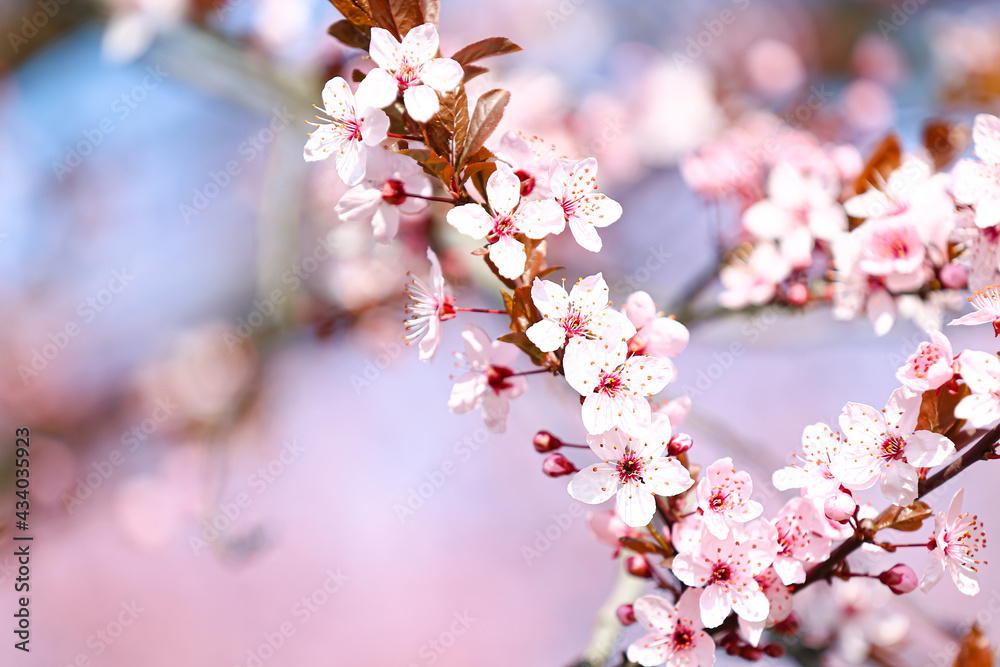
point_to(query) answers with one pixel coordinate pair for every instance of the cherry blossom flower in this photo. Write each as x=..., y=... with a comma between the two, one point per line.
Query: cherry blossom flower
x=930, y=367
x=614, y=384
x=894, y=251
x=987, y=308
x=978, y=183
x=755, y=281
x=800, y=540
x=534, y=219
x=726, y=569
x=656, y=336
x=490, y=382
x=957, y=539
x=981, y=372
x=820, y=444
x=413, y=69
x=352, y=130
x=531, y=159
x=780, y=599
x=675, y=637
x=574, y=186
x=800, y=208
x=882, y=446
x=386, y=191
x=579, y=314
x=430, y=306
x=634, y=469
x=609, y=528
x=724, y=497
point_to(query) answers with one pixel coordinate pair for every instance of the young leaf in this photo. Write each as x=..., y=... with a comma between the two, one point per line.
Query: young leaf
x=430, y=9
x=407, y=14
x=484, y=48
x=355, y=11
x=975, y=650
x=472, y=71
x=381, y=14
x=524, y=344
x=907, y=519
x=351, y=35
x=944, y=141
x=486, y=117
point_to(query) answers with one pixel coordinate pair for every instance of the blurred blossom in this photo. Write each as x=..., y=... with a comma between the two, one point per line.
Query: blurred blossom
x=868, y=106
x=775, y=69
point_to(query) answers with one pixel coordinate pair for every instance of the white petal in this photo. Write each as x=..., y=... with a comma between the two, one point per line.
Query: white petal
x=925, y=449
x=384, y=49
x=509, y=257
x=442, y=74
x=421, y=103
x=538, y=219
x=503, y=190
x=378, y=90
x=471, y=220
x=546, y=335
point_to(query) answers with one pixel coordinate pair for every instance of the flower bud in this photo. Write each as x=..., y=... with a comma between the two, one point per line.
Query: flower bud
x=625, y=614
x=840, y=507
x=751, y=653
x=557, y=465
x=954, y=276
x=393, y=193
x=774, y=650
x=680, y=443
x=900, y=579
x=638, y=566
x=546, y=442
x=798, y=294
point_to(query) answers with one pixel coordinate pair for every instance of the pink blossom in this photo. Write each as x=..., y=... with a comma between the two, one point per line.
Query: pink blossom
x=820, y=444
x=675, y=637
x=930, y=367
x=386, y=191
x=490, y=382
x=510, y=216
x=724, y=497
x=411, y=68
x=579, y=314
x=574, y=186
x=800, y=540
x=987, y=308
x=978, y=183
x=634, y=469
x=614, y=384
x=981, y=372
x=780, y=599
x=894, y=251
x=754, y=282
x=957, y=540
x=430, y=306
x=656, y=335
x=531, y=161
x=609, y=528
x=882, y=446
x=726, y=569
x=352, y=130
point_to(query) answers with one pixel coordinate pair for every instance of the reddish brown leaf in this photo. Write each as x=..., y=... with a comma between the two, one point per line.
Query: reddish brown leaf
x=643, y=546
x=484, y=48
x=351, y=35
x=907, y=519
x=486, y=117
x=928, y=419
x=975, y=650
x=430, y=9
x=355, y=11
x=381, y=15
x=944, y=141
x=886, y=157
x=407, y=14
x=472, y=71
x=521, y=340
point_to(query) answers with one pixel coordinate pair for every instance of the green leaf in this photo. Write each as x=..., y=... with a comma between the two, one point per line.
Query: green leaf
x=486, y=117
x=484, y=48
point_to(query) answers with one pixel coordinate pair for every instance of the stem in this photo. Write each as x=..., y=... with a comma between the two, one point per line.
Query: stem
x=482, y=310
x=569, y=444
x=446, y=200
x=536, y=372
x=659, y=538
x=408, y=137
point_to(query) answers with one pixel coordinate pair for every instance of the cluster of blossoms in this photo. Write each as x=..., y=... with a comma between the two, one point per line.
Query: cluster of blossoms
x=731, y=568
x=895, y=236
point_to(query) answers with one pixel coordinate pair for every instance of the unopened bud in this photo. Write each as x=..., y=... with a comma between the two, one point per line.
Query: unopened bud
x=900, y=579
x=557, y=465
x=774, y=650
x=638, y=566
x=625, y=614
x=840, y=507
x=798, y=294
x=546, y=442
x=751, y=653
x=954, y=276
x=680, y=443
x=393, y=193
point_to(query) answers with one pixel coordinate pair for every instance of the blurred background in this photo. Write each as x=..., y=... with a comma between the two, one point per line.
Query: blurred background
x=235, y=461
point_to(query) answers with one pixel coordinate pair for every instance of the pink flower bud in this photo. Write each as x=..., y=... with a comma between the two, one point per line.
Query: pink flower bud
x=774, y=650
x=798, y=294
x=954, y=276
x=557, y=465
x=751, y=653
x=637, y=566
x=625, y=614
x=840, y=507
x=393, y=193
x=546, y=442
x=900, y=579
x=680, y=443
